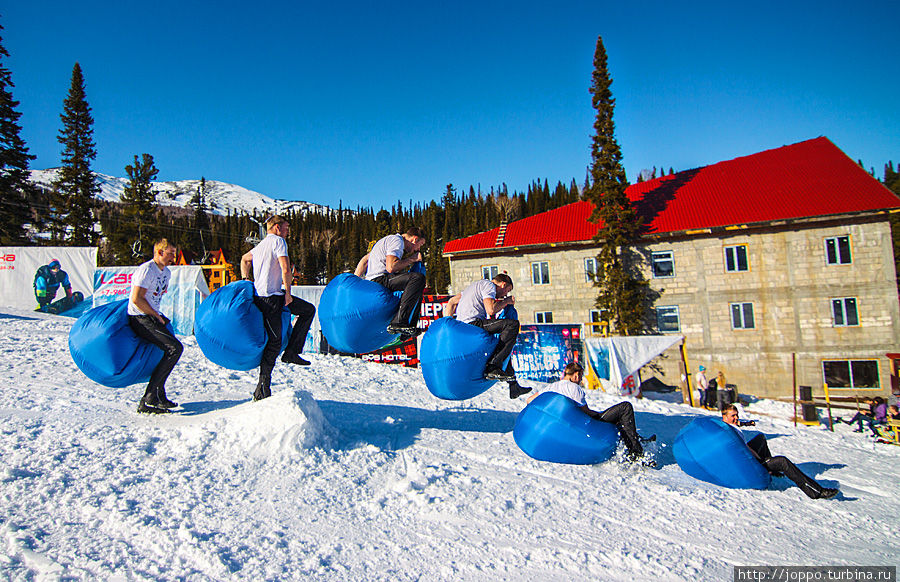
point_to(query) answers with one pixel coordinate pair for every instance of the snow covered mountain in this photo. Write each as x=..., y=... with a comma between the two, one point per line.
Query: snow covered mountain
x=221, y=196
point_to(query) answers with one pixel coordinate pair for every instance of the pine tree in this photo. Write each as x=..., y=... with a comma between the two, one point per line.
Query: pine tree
x=200, y=236
x=15, y=188
x=623, y=292
x=132, y=234
x=76, y=185
x=892, y=178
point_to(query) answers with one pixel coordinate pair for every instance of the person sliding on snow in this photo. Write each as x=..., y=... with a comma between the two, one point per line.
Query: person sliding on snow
x=385, y=265
x=621, y=414
x=148, y=285
x=478, y=305
x=47, y=281
x=775, y=465
x=272, y=279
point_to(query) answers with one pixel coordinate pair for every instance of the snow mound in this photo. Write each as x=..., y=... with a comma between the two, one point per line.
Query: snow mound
x=287, y=424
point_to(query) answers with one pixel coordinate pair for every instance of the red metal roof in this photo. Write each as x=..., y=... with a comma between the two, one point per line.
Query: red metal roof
x=803, y=180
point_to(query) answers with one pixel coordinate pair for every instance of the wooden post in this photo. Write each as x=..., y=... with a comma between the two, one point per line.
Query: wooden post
x=794, y=369
x=828, y=403
x=687, y=395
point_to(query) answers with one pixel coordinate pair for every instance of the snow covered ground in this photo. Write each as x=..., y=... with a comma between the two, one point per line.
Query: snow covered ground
x=353, y=471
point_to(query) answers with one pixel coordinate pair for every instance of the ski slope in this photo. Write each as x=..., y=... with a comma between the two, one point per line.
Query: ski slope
x=353, y=471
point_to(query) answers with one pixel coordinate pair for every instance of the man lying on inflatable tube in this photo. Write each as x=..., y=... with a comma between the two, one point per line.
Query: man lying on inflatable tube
x=621, y=414
x=776, y=466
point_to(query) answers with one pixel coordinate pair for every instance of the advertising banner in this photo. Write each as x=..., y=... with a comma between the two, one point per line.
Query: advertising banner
x=407, y=352
x=187, y=288
x=543, y=350
x=26, y=275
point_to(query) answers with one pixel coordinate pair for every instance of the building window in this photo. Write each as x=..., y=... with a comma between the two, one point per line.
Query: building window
x=540, y=273
x=844, y=311
x=736, y=259
x=667, y=319
x=598, y=324
x=489, y=272
x=590, y=269
x=851, y=373
x=837, y=250
x=543, y=317
x=742, y=316
x=597, y=315
x=663, y=264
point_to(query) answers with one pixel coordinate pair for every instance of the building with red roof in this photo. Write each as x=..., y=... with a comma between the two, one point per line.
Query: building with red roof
x=787, y=251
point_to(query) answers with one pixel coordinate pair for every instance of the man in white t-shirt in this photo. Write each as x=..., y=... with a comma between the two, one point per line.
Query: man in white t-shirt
x=758, y=445
x=702, y=386
x=272, y=278
x=621, y=414
x=478, y=305
x=148, y=285
x=387, y=266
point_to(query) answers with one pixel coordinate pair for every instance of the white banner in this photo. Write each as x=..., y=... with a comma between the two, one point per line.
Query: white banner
x=312, y=294
x=19, y=267
x=618, y=358
x=187, y=288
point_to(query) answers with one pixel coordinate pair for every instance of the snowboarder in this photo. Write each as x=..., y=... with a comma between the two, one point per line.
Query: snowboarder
x=776, y=466
x=47, y=281
x=148, y=285
x=272, y=278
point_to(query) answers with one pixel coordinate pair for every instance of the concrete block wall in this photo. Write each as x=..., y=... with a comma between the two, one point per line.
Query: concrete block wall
x=788, y=282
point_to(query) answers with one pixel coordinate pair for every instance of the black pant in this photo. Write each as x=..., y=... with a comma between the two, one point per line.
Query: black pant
x=508, y=330
x=271, y=310
x=760, y=447
x=412, y=285
x=622, y=415
x=150, y=329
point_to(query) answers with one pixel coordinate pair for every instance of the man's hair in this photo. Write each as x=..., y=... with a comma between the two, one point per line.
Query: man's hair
x=161, y=245
x=503, y=278
x=572, y=368
x=728, y=407
x=416, y=231
x=274, y=221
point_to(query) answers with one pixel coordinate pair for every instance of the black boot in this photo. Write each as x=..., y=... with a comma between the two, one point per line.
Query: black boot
x=145, y=408
x=162, y=401
x=262, y=388
x=516, y=390
x=150, y=398
x=293, y=358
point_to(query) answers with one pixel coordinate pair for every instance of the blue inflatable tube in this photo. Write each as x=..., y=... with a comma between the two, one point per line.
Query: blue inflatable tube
x=709, y=450
x=452, y=357
x=229, y=328
x=354, y=314
x=105, y=348
x=553, y=428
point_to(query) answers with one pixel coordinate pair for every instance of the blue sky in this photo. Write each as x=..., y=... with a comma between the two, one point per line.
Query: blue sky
x=374, y=102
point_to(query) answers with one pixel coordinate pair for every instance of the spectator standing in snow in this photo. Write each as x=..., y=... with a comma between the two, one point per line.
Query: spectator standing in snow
x=702, y=386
